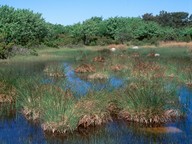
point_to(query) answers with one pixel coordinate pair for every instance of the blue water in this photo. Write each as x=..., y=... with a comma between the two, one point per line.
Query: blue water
x=81, y=87
x=15, y=129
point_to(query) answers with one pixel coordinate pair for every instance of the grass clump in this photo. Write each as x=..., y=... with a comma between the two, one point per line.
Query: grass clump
x=93, y=109
x=48, y=104
x=149, y=102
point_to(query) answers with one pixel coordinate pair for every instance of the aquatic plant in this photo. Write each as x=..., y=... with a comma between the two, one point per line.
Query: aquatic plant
x=93, y=109
x=149, y=101
x=47, y=103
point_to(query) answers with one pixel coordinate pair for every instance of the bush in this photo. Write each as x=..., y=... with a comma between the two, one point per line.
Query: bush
x=22, y=26
x=102, y=41
x=51, y=44
x=4, y=50
x=187, y=38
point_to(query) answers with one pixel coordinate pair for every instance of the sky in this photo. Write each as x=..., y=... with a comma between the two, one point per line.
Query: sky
x=68, y=12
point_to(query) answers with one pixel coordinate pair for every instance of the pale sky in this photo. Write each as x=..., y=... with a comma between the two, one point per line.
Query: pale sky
x=68, y=12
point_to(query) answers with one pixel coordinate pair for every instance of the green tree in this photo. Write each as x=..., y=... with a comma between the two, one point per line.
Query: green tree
x=186, y=34
x=91, y=29
x=171, y=19
x=148, y=17
x=75, y=32
x=169, y=34
x=23, y=27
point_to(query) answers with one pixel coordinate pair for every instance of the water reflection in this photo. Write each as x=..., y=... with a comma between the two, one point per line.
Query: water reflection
x=80, y=86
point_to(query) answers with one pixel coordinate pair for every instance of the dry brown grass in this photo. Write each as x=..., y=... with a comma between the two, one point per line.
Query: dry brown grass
x=56, y=127
x=151, y=54
x=113, y=109
x=163, y=44
x=85, y=68
x=90, y=114
x=31, y=114
x=98, y=76
x=148, y=46
x=118, y=67
x=145, y=118
x=5, y=98
x=175, y=44
x=148, y=69
x=189, y=84
x=99, y=59
x=117, y=46
x=7, y=93
x=86, y=105
x=55, y=74
x=90, y=120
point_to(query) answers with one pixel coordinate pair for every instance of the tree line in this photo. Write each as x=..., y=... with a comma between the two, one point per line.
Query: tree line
x=23, y=27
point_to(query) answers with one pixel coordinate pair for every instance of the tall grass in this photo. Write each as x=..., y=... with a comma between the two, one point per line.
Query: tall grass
x=147, y=100
x=47, y=103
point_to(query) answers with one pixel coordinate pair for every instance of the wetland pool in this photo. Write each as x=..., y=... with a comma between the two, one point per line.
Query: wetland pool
x=14, y=128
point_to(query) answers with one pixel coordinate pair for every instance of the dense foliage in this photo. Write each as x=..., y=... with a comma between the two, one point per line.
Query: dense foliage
x=20, y=27
x=25, y=28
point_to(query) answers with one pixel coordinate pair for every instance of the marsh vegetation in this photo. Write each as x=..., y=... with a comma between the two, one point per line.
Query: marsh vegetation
x=128, y=84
